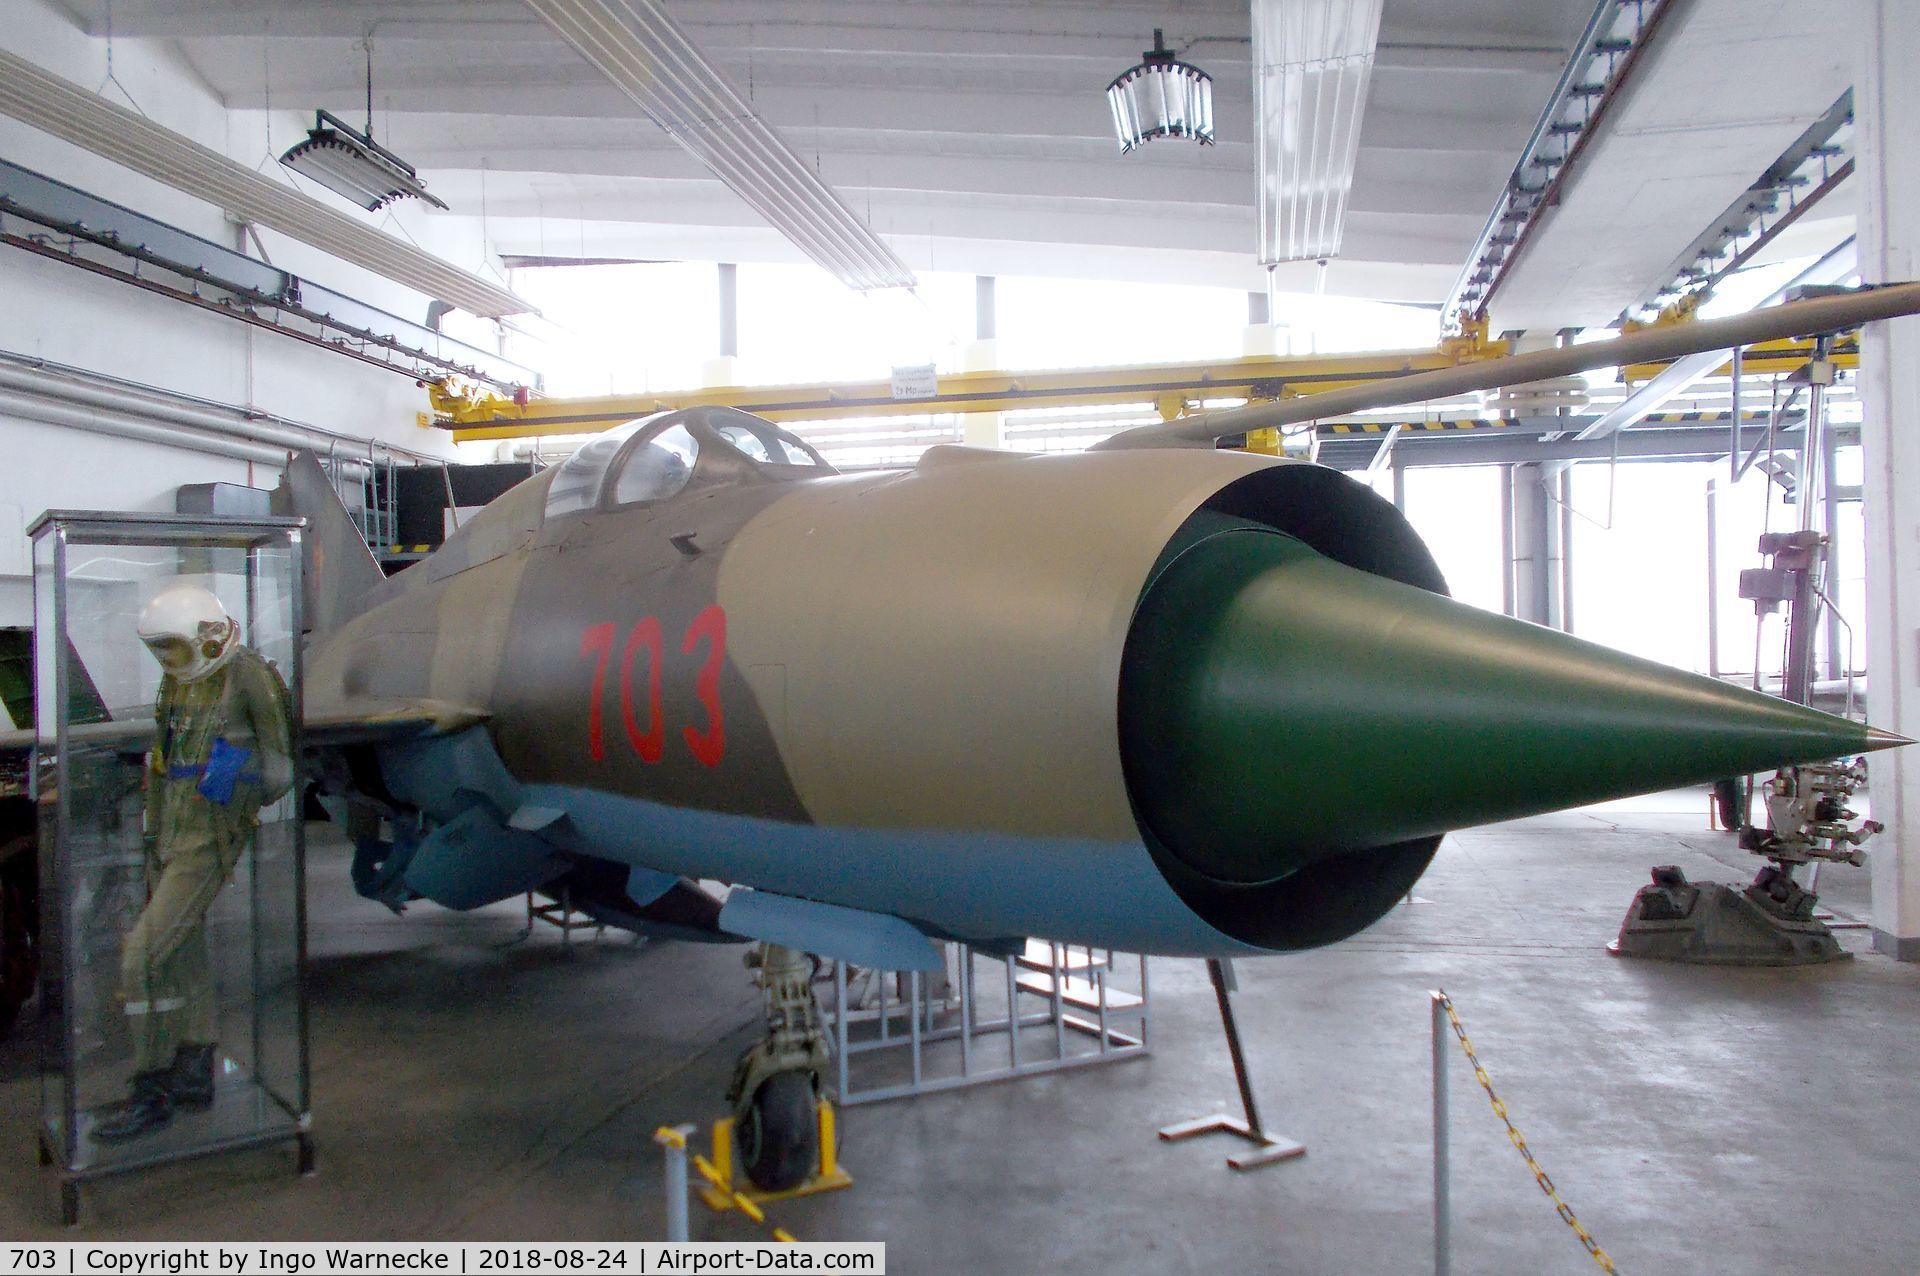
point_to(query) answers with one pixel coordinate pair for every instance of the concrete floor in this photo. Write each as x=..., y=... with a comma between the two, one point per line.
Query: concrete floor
x=467, y=1087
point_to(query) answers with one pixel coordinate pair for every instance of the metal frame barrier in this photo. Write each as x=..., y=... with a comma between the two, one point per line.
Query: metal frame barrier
x=1091, y=1009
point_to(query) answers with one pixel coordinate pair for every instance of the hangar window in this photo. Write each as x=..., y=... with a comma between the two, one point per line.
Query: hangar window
x=656, y=468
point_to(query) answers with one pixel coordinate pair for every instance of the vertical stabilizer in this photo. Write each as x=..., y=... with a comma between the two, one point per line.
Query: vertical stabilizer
x=340, y=570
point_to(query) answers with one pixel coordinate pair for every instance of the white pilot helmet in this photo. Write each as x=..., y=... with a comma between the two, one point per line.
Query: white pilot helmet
x=188, y=631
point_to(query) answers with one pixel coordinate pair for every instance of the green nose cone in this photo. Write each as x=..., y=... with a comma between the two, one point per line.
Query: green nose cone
x=1278, y=707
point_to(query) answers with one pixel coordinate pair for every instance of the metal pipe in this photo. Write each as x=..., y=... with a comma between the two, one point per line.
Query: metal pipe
x=729, y=310
x=1564, y=481
x=1218, y=971
x=915, y=992
x=96, y=420
x=1384, y=452
x=676, y=1181
x=1057, y=1008
x=31, y=375
x=1100, y=984
x=1442, y=1187
x=1834, y=611
x=841, y=1010
x=1812, y=453
x=1794, y=318
x=113, y=399
x=1013, y=1017
x=453, y=505
x=1830, y=507
x=93, y=422
x=1509, y=545
x=1713, y=574
x=963, y=959
x=1733, y=424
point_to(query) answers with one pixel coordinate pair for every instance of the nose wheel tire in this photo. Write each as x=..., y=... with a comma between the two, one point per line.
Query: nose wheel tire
x=779, y=1133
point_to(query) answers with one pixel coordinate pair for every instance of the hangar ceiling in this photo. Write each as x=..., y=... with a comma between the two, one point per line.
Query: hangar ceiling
x=973, y=137
x=1726, y=88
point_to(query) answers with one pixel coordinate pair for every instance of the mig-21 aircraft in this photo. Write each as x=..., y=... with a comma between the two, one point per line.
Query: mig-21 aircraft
x=1158, y=698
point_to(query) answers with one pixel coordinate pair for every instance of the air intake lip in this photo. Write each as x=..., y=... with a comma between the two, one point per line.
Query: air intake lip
x=1340, y=896
x=1282, y=712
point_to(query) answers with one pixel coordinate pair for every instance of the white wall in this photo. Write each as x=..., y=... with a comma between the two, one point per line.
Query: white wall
x=1887, y=100
x=70, y=316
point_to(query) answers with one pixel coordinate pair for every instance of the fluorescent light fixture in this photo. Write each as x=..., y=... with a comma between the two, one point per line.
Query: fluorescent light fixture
x=1312, y=63
x=67, y=111
x=637, y=47
x=353, y=165
x=1162, y=97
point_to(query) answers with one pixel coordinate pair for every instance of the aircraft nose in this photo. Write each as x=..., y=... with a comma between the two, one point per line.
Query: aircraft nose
x=1279, y=708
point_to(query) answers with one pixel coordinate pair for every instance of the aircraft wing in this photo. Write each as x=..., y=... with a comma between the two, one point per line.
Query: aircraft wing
x=371, y=719
x=132, y=733
x=363, y=720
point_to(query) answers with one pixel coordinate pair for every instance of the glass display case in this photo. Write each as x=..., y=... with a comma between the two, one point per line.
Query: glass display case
x=167, y=780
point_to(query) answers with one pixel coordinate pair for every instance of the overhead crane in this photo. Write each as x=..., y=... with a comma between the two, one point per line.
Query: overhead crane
x=473, y=413
x=1766, y=358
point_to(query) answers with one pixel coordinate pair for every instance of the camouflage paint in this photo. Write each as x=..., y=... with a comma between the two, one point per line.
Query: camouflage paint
x=902, y=692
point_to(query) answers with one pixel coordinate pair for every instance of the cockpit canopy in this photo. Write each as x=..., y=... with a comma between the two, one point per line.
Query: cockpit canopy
x=656, y=457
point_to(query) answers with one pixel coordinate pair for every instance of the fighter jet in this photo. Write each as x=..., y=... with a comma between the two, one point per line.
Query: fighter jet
x=1162, y=699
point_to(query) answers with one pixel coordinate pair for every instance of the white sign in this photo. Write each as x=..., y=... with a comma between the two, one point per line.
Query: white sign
x=915, y=382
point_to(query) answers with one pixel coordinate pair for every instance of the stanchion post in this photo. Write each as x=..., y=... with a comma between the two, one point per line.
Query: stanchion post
x=674, y=1140
x=1442, y=1192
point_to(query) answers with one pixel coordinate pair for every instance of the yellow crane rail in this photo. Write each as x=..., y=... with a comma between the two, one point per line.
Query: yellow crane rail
x=1765, y=358
x=473, y=415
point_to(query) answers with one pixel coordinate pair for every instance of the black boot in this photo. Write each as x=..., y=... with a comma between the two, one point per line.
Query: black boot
x=148, y=1109
x=190, y=1083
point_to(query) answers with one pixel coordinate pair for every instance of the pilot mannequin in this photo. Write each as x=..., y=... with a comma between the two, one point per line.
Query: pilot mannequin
x=221, y=753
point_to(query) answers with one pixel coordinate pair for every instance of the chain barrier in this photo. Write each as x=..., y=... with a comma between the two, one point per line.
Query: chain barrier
x=1560, y=1207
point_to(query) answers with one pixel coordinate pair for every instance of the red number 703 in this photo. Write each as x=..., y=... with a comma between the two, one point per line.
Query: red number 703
x=709, y=744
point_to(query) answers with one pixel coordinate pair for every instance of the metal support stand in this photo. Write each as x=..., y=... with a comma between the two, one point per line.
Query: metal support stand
x=1268, y=1148
x=1051, y=1007
x=1442, y=1171
x=674, y=1142
x=564, y=917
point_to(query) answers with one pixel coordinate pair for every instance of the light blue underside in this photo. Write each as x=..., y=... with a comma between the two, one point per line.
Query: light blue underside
x=966, y=885
x=979, y=886
x=844, y=934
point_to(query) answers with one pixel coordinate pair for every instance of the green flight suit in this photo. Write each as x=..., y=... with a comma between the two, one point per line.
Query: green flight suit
x=166, y=972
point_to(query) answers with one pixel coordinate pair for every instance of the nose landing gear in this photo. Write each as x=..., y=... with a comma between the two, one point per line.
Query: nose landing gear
x=775, y=1091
